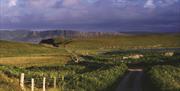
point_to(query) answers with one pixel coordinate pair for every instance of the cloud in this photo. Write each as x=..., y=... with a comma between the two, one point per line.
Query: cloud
x=70, y=3
x=167, y=2
x=89, y=13
x=12, y=3
x=150, y=4
x=92, y=1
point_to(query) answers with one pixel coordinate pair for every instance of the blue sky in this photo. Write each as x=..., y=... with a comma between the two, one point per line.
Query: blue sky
x=91, y=15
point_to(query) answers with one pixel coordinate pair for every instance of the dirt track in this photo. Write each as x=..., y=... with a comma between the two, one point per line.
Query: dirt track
x=132, y=81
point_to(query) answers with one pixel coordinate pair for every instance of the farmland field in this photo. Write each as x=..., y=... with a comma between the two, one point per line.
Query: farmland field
x=93, y=64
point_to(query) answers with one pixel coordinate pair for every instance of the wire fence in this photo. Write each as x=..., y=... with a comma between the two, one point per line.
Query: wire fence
x=40, y=82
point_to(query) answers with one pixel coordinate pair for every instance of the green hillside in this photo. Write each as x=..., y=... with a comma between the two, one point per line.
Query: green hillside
x=125, y=42
x=25, y=54
x=25, y=49
x=96, y=44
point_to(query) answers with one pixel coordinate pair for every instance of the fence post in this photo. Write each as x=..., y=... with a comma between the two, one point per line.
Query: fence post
x=44, y=84
x=32, y=84
x=62, y=77
x=22, y=81
x=54, y=82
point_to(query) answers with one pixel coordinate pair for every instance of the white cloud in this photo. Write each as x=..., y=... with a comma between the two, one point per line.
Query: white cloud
x=12, y=3
x=149, y=4
x=70, y=2
x=163, y=3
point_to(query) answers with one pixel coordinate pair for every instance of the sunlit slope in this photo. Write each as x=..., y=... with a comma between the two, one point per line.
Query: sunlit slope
x=126, y=42
x=97, y=43
x=24, y=54
x=19, y=49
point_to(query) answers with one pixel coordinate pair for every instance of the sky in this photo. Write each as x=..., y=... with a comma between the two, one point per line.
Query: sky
x=91, y=15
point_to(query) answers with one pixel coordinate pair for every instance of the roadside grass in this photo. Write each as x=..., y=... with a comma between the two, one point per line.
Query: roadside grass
x=8, y=84
x=163, y=78
x=98, y=76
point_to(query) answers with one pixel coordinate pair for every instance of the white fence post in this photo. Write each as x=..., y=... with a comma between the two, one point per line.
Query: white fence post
x=44, y=84
x=62, y=77
x=32, y=84
x=22, y=81
x=54, y=82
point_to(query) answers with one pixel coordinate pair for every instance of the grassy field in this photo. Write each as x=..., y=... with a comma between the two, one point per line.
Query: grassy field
x=101, y=61
x=24, y=54
x=91, y=45
x=9, y=49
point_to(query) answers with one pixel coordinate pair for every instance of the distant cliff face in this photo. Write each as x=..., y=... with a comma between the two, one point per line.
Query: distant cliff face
x=37, y=36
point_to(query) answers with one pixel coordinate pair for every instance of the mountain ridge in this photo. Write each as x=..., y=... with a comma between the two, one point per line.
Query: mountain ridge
x=37, y=36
